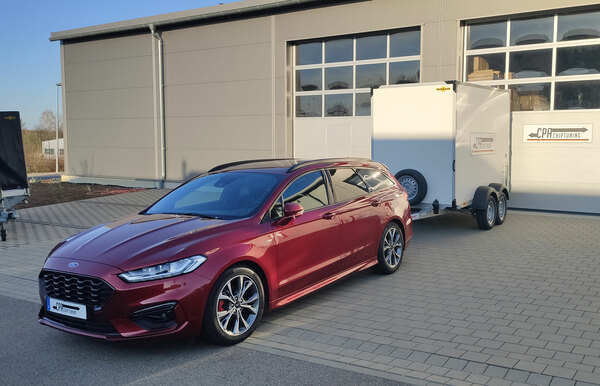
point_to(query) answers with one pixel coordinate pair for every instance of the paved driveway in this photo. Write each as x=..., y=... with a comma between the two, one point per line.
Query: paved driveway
x=517, y=304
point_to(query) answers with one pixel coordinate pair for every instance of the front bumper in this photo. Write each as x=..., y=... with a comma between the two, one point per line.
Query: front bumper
x=172, y=306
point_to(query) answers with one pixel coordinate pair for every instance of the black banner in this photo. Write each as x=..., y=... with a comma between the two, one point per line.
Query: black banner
x=13, y=174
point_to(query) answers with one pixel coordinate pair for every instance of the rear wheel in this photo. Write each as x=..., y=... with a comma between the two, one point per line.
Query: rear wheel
x=391, y=249
x=234, y=307
x=414, y=183
x=502, y=208
x=486, y=218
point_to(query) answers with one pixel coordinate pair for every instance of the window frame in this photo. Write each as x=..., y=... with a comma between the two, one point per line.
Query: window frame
x=354, y=90
x=554, y=45
x=266, y=217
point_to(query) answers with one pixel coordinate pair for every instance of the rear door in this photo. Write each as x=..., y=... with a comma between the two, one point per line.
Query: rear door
x=308, y=245
x=359, y=217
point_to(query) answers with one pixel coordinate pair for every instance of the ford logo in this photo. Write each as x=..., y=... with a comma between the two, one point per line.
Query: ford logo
x=73, y=265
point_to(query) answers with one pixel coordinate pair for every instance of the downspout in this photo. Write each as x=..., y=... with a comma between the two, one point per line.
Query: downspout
x=161, y=107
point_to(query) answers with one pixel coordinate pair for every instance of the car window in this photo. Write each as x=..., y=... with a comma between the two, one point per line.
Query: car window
x=223, y=195
x=347, y=184
x=307, y=190
x=375, y=179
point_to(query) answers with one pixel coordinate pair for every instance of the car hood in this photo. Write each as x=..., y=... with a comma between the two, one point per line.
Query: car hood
x=142, y=240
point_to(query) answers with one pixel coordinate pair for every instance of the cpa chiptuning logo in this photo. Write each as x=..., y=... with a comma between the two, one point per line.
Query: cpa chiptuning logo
x=557, y=133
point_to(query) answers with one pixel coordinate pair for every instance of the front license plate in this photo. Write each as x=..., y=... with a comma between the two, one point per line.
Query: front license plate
x=66, y=308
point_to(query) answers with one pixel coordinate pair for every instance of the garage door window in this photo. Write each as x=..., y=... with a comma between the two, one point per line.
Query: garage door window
x=350, y=66
x=550, y=62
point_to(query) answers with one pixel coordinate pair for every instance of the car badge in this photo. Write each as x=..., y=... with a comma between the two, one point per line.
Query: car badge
x=73, y=265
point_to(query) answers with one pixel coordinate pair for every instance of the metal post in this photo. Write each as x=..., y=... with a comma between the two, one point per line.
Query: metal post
x=56, y=121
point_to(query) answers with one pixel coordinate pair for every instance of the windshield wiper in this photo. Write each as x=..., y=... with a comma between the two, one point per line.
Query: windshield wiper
x=200, y=215
x=194, y=214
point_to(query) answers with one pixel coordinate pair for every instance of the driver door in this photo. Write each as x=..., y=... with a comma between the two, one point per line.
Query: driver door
x=307, y=245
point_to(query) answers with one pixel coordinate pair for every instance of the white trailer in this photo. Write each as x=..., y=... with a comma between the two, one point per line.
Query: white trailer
x=448, y=144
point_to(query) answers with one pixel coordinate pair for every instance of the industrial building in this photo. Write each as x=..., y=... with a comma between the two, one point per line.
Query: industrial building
x=156, y=100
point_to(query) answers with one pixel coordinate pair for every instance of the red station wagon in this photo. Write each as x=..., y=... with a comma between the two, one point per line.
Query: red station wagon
x=214, y=254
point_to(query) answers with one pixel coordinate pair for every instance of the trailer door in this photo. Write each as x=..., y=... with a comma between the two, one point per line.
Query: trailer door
x=482, y=139
x=413, y=128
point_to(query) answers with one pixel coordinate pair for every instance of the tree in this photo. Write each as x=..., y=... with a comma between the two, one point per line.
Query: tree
x=48, y=122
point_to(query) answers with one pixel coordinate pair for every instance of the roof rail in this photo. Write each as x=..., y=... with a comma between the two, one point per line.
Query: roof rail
x=239, y=163
x=316, y=161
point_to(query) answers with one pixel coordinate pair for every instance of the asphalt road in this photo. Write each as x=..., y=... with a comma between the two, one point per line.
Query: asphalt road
x=35, y=354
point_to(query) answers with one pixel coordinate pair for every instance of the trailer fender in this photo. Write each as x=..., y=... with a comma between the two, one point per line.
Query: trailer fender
x=481, y=196
x=500, y=188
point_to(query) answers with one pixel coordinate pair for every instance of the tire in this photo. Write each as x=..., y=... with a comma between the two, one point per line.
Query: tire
x=486, y=218
x=227, y=320
x=388, y=256
x=414, y=183
x=501, y=209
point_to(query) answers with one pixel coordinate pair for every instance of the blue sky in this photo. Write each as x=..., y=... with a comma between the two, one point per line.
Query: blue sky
x=30, y=63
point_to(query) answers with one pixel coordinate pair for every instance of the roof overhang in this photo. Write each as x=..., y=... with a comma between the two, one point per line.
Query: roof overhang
x=222, y=11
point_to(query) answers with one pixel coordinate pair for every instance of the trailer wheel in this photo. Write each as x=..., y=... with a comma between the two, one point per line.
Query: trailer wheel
x=502, y=208
x=414, y=183
x=486, y=218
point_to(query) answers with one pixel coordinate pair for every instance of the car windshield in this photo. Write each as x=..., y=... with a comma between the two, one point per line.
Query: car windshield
x=226, y=195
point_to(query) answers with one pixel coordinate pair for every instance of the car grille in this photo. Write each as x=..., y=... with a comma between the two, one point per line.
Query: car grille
x=101, y=327
x=91, y=291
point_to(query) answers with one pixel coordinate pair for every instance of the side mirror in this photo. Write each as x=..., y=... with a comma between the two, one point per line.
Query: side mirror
x=292, y=209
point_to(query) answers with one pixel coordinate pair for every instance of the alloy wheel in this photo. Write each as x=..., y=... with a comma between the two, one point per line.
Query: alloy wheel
x=392, y=247
x=238, y=305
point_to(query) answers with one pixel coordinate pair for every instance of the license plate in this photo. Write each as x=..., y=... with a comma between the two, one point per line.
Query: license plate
x=66, y=308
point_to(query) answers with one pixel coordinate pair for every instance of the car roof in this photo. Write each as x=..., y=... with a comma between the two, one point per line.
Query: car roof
x=289, y=165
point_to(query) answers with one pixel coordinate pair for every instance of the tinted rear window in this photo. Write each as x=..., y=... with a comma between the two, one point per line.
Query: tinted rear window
x=375, y=179
x=347, y=184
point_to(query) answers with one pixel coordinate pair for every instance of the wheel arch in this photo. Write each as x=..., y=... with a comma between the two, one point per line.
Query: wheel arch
x=481, y=195
x=500, y=188
x=259, y=271
x=401, y=225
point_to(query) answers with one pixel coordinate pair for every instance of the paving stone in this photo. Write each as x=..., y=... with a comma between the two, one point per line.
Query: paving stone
x=475, y=368
x=562, y=382
x=495, y=371
x=454, y=363
x=539, y=379
x=531, y=311
x=476, y=378
x=517, y=375
x=419, y=356
x=530, y=366
x=559, y=372
x=437, y=360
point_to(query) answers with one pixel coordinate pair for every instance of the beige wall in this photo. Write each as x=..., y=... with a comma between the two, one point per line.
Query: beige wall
x=218, y=95
x=228, y=90
x=109, y=108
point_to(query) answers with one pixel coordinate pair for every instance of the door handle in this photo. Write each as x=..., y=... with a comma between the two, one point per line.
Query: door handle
x=328, y=215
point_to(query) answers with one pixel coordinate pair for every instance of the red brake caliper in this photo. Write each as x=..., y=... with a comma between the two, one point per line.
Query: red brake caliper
x=221, y=305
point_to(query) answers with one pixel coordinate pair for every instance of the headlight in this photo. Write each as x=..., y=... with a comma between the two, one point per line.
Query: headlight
x=161, y=271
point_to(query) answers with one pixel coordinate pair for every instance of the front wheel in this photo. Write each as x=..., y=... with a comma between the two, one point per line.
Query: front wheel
x=391, y=249
x=234, y=307
x=486, y=218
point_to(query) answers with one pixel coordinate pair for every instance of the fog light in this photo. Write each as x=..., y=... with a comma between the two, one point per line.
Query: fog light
x=158, y=317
